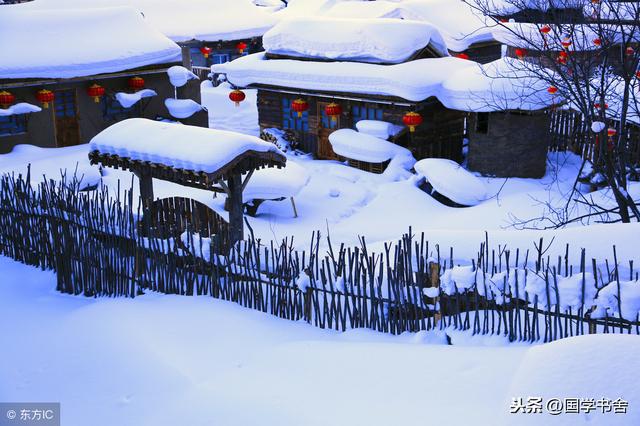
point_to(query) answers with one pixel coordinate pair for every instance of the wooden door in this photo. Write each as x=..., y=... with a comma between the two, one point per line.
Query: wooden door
x=326, y=126
x=66, y=110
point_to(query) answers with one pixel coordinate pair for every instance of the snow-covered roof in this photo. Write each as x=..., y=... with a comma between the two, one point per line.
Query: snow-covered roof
x=457, y=83
x=204, y=20
x=180, y=146
x=414, y=81
x=361, y=40
x=74, y=43
x=364, y=147
x=368, y=10
x=504, y=84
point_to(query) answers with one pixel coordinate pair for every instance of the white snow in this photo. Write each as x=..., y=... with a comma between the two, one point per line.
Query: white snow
x=224, y=114
x=374, y=40
x=272, y=183
x=129, y=99
x=19, y=108
x=73, y=43
x=452, y=180
x=179, y=75
x=503, y=84
x=607, y=300
x=200, y=361
x=179, y=146
x=364, y=147
x=182, y=108
x=378, y=128
x=204, y=20
x=414, y=80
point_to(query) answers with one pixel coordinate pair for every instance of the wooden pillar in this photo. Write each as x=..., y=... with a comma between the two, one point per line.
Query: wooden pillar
x=236, y=216
x=146, y=193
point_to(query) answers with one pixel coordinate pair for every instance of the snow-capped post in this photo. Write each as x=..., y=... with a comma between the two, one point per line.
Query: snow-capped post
x=434, y=272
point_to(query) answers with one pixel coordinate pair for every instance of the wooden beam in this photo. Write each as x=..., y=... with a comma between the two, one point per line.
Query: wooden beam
x=236, y=214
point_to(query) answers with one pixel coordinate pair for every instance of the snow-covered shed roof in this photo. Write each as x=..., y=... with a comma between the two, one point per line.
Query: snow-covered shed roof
x=361, y=40
x=75, y=43
x=181, y=21
x=504, y=84
x=459, y=84
x=414, y=80
x=368, y=10
x=198, y=149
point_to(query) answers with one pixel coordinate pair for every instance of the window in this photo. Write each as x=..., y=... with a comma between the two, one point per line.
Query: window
x=365, y=113
x=290, y=119
x=13, y=125
x=482, y=122
x=65, y=103
x=328, y=123
x=112, y=111
x=197, y=58
x=219, y=58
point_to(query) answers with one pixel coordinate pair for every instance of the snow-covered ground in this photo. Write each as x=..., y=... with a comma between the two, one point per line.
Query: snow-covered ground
x=170, y=360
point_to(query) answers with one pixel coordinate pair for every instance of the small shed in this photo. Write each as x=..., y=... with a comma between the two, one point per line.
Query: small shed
x=187, y=155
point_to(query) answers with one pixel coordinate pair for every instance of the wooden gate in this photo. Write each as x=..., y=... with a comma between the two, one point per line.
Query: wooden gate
x=66, y=110
x=326, y=126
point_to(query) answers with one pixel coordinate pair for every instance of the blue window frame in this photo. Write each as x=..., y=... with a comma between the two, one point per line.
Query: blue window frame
x=219, y=58
x=290, y=119
x=13, y=125
x=365, y=113
x=112, y=111
x=65, y=103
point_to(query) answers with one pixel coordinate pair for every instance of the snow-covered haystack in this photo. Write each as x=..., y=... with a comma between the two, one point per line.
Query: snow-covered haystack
x=78, y=42
x=503, y=84
x=273, y=183
x=378, y=128
x=452, y=180
x=179, y=146
x=129, y=99
x=224, y=114
x=359, y=40
x=179, y=75
x=182, y=108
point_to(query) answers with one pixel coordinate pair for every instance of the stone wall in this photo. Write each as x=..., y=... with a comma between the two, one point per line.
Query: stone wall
x=515, y=144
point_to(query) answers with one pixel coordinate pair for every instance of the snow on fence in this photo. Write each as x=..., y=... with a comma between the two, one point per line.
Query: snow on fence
x=98, y=247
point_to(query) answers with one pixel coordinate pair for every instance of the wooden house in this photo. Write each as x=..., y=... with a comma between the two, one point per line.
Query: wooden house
x=305, y=88
x=81, y=84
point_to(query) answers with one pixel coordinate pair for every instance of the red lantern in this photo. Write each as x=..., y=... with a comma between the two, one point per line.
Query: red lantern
x=545, y=29
x=45, y=97
x=462, y=56
x=237, y=96
x=299, y=105
x=521, y=53
x=629, y=51
x=562, y=58
x=566, y=42
x=637, y=74
x=241, y=46
x=597, y=105
x=611, y=132
x=412, y=120
x=6, y=99
x=206, y=51
x=136, y=83
x=595, y=1
x=552, y=90
x=96, y=92
x=333, y=111
x=597, y=42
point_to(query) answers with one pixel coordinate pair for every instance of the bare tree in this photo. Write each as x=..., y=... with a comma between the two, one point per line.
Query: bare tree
x=587, y=52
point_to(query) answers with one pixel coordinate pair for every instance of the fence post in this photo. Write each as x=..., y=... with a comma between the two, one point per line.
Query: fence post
x=434, y=271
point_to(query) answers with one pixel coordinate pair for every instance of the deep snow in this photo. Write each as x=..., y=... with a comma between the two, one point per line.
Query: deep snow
x=167, y=360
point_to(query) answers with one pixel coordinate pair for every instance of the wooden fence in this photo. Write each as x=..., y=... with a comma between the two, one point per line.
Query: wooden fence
x=96, y=245
x=570, y=132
